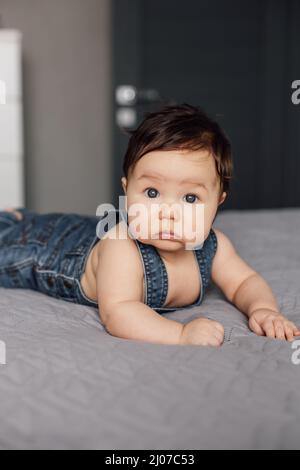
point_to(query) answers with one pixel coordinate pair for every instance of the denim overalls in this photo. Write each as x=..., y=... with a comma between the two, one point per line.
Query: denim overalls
x=48, y=253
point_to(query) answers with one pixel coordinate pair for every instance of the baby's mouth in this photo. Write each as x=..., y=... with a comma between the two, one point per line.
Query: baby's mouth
x=167, y=235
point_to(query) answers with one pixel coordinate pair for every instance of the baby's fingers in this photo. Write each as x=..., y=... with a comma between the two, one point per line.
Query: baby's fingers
x=279, y=329
x=255, y=327
x=218, y=336
x=296, y=331
x=269, y=329
x=289, y=329
x=289, y=332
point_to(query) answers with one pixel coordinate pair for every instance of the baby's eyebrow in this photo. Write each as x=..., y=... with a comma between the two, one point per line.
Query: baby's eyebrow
x=162, y=178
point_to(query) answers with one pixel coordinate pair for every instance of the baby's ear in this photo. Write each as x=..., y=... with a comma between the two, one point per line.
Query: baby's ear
x=222, y=198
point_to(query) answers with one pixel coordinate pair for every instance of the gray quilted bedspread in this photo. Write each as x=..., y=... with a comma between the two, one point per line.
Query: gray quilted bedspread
x=68, y=384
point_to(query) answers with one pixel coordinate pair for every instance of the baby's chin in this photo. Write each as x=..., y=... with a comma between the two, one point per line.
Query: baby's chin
x=169, y=244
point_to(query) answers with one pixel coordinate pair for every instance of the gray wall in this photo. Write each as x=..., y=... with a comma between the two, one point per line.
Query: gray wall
x=67, y=101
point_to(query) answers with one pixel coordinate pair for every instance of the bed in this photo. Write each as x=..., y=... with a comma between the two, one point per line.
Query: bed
x=68, y=384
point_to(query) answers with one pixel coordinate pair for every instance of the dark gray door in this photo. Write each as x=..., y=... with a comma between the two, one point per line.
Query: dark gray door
x=236, y=59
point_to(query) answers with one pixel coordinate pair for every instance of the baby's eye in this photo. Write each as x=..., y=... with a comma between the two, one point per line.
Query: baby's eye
x=151, y=192
x=191, y=198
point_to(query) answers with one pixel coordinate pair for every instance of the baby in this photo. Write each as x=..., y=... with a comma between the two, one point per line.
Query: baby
x=177, y=172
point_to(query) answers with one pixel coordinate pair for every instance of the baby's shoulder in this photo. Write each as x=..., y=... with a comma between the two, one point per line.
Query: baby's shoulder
x=119, y=247
x=224, y=248
x=120, y=272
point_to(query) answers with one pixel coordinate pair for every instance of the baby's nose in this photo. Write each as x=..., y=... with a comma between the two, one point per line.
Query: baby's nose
x=168, y=212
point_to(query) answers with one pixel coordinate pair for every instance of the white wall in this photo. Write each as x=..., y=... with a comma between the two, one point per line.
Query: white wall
x=67, y=101
x=11, y=123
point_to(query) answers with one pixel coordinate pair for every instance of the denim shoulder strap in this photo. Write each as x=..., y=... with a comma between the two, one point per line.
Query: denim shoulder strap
x=205, y=257
x=156, y=276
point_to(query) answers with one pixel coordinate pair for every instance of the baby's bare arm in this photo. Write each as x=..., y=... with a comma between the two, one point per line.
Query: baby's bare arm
x=120, y=295
x=253, y=294
x=249, y=291
x=135, y=320
x=121, y=307
x=241, y=284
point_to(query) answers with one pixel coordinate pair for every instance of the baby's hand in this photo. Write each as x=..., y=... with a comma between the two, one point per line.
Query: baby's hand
x=202, y=332
x=269, y=323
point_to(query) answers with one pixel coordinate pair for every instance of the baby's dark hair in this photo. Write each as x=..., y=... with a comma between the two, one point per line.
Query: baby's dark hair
x=180, y=127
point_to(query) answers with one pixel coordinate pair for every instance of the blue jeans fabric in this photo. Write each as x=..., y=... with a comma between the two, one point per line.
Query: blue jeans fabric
x=156, y=276
x=47, y=253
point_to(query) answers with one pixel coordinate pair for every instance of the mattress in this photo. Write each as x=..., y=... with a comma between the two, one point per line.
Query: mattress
x=68, y=384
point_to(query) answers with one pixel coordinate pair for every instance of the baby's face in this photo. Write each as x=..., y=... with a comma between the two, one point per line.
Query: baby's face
x=173, y=191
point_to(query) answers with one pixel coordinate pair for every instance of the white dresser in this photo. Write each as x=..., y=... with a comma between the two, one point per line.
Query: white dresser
x=11, y=120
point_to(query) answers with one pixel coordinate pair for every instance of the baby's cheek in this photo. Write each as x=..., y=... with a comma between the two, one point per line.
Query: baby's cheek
x=139, y=224
x=194, y=219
